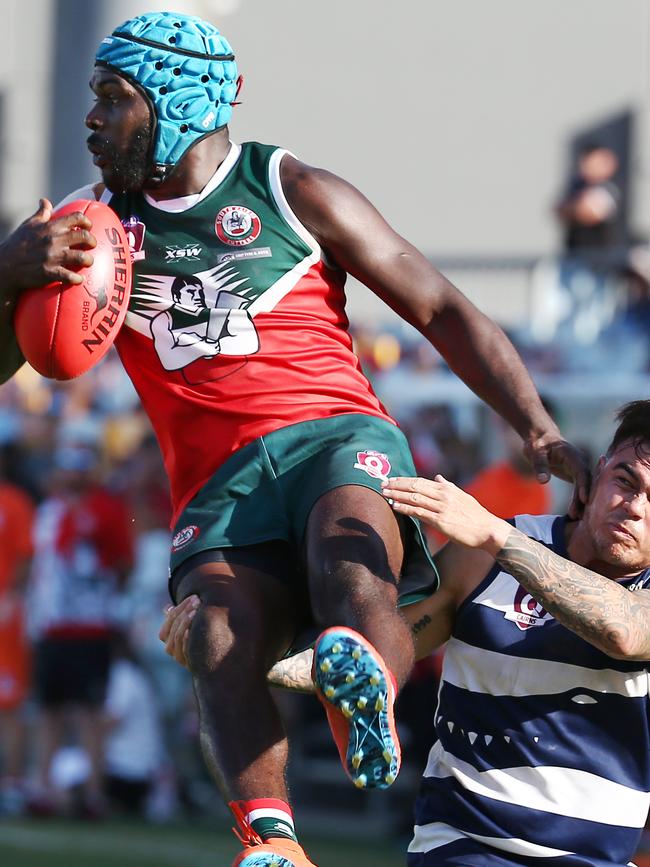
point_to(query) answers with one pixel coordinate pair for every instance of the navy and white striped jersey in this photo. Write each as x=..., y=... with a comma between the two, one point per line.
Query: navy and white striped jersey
x=543, y=751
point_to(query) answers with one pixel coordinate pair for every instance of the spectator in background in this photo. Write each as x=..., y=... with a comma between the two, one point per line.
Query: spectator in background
x=16, y=517
x=590, y=209
x=134, y=753
x=83, y=551
x=584, y=302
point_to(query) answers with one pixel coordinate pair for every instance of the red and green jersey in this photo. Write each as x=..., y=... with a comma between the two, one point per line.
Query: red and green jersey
x=236, y=325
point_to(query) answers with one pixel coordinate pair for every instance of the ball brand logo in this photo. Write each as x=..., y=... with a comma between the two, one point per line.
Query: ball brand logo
x=112, y=307
x=527, y=611
x=185, y=536
x=237, y=226
x=100, y=297
x=376, y=464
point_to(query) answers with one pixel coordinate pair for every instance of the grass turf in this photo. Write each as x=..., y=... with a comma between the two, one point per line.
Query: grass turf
x=122, y=844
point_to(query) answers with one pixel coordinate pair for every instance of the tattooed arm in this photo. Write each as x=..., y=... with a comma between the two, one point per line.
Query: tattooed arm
x=597, y=609
x=293, y=673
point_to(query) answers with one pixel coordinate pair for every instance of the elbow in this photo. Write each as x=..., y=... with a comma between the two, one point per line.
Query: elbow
x=621, y=645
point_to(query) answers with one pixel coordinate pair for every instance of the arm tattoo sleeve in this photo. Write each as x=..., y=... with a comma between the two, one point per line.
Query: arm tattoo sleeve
x=597, y=609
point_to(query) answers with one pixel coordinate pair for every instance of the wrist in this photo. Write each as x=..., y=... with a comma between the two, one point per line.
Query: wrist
x=497, y=536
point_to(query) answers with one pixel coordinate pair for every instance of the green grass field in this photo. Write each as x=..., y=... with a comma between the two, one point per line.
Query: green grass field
x=116, y=844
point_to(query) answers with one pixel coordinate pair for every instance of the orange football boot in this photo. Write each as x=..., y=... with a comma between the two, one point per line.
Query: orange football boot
x=357, y=690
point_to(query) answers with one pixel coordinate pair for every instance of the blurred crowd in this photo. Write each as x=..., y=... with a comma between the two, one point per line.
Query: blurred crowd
x=94, y=717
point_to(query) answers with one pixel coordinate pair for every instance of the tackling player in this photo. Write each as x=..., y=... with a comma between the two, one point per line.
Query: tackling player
x=541, y=752
x=275, y=449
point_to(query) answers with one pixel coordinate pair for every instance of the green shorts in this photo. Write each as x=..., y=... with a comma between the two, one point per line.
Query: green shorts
x=266, y=490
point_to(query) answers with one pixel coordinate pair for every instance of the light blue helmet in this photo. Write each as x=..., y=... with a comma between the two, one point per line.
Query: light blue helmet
x=187, y=71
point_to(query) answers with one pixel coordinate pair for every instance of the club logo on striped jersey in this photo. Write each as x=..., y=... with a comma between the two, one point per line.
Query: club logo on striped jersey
x=237, y=226
x=527, y=611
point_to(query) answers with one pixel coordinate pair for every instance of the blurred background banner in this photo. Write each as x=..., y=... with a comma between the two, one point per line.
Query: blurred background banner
x=509, y=141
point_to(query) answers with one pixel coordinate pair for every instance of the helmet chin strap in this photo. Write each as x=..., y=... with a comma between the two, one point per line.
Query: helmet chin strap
x=159, y=174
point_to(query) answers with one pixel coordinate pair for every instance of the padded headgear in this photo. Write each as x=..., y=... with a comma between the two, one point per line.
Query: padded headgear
x=187, y=71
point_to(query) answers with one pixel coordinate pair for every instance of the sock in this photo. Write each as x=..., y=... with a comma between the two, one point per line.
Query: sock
x=270, y=817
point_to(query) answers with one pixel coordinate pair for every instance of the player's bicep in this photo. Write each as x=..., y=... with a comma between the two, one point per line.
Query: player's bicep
x=432, y=620
x=357, y=238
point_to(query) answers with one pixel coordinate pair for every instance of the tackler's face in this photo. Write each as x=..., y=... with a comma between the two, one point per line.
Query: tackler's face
x=618, y=512
x=121, y=131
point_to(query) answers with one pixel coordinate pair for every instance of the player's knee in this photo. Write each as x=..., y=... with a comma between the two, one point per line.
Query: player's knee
x=346, y=589
x=219, y=642
x=209, y=641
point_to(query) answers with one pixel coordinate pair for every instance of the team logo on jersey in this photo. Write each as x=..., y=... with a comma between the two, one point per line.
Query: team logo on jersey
x=237, y=226
x=135, y=230
x=527, y=611
x=375, y=464
x=176, y=254
x=185, y=536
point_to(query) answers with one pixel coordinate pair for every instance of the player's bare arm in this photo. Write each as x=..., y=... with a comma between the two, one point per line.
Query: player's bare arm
x=360, y=241
x=39, y=251
x=598, y=609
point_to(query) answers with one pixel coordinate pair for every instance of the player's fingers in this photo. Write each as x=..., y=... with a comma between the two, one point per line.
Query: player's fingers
x=43, y=212
x=177, y=641
x=74, y=220
x=64, y=275
x=77, y=259
x=177, y=619
x=80, y=238
x=541, y=467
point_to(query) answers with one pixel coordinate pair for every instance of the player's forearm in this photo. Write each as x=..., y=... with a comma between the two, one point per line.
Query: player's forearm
x=479, y=353
x=11, y=358
x=597, y=609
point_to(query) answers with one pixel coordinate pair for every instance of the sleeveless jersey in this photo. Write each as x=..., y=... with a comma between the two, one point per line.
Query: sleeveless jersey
x=236, y=325
x=543, y=746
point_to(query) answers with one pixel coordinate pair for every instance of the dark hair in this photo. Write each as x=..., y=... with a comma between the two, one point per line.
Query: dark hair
x=633, y=424
x=180, y=282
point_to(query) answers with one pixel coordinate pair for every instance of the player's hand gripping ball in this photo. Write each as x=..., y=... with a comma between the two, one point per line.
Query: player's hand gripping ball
x=65, y=329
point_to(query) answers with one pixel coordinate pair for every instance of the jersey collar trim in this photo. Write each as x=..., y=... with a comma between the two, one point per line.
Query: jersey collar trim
x=184, y=203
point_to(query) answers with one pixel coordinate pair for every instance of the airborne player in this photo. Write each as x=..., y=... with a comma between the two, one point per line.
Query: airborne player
x=272, y=453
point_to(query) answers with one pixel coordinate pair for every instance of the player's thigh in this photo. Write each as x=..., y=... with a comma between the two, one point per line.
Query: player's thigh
x=249, y=604
x=353, y=542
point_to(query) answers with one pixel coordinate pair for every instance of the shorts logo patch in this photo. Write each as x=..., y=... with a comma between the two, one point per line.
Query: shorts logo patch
x=185, y=536
x=375, y=464
x=237, y=226
x=527, y=611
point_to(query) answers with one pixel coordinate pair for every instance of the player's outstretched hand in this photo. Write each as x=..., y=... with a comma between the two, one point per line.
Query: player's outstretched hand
x=176, y=627
x=448, y=509
x=42, y=250
x=550, y=454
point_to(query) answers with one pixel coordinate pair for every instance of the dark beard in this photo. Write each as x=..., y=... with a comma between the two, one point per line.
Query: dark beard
x=127, y=168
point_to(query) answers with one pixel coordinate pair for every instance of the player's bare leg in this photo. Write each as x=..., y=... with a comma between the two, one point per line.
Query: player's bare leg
x=243, y=625
x=354, y=554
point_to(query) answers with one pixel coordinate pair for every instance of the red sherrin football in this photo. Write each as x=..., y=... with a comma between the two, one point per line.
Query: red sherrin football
x=63, y=330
